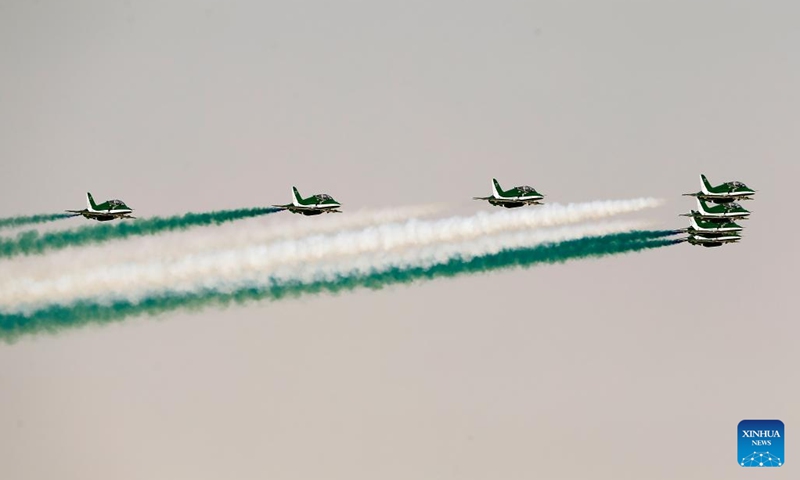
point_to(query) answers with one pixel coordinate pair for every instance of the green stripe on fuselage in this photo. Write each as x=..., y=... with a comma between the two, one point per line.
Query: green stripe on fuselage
x=726, y=188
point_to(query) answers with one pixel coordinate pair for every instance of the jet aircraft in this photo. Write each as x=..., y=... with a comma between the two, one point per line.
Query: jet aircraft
x=713, y=241
x=712, y=229
x=108, y=210
x=516, y=197
x=724, y=193
x=313, y=205
x=723, y=212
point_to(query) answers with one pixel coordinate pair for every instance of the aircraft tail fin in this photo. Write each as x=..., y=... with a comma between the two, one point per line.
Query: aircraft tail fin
x=296, y=198
x=498, y=192
x=705, y=186
x=90, y=201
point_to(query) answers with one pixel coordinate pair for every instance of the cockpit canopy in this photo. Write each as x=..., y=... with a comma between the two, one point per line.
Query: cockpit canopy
x=323, y=197
x=525, y=189
x=116, y=203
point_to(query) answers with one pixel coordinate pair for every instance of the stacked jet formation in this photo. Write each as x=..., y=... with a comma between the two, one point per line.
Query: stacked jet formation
x=713, y=224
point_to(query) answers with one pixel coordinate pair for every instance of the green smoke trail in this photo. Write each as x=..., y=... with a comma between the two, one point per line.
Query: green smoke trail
x=33, y=242
x=53, y=318
x=31, y=219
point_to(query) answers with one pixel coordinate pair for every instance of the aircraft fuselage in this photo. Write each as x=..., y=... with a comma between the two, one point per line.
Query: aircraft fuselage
x=309, y=210
x=712, y=241
x=106, y=216
x=512, y=203
x=723, y=198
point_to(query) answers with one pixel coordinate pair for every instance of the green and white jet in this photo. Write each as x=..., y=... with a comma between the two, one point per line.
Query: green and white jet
x=108, y=210
x=516, y=197
x=715, y=241
x=718, y=213
x=706, y=228
x=725, y=193
x=313, y=205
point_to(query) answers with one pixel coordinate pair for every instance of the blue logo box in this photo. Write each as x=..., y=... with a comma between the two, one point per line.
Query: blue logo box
x=761, y=443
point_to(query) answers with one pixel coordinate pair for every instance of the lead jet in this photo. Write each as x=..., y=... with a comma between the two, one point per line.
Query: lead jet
x=715, y=241
x=108, y=210
x=724, y=193
x=516, y=197
x=313, y=205
x=711, y=229
x=717, y=213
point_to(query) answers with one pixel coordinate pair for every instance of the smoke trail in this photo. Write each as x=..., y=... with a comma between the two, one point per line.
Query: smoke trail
x=225, y=237
x=305, y=259
x=33, y=242
x=57, y=317
x=251, y=241
x=20, y=221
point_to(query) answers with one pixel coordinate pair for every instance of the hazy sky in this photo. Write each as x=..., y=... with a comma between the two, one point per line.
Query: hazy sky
x=635, y=367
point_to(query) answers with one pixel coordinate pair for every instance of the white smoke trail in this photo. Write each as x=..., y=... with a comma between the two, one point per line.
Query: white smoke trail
x=161, y=271
x=174, y=245
x=314, y=258
x=422, y=256
x=257, y=232
x=163, y=268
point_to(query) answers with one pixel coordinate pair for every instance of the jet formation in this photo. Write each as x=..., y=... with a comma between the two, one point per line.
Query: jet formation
x=117, y=209
x=715, y=225
x=315, y=204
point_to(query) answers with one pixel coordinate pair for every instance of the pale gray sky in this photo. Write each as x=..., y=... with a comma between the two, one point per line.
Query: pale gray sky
x=629, y=367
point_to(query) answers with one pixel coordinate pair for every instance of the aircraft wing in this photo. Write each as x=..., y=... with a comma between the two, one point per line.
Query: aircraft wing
x=301, y=208
x=515, y=201
x=693, y=213
x=702, y=240
x=283, y=206
x=481, y=198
